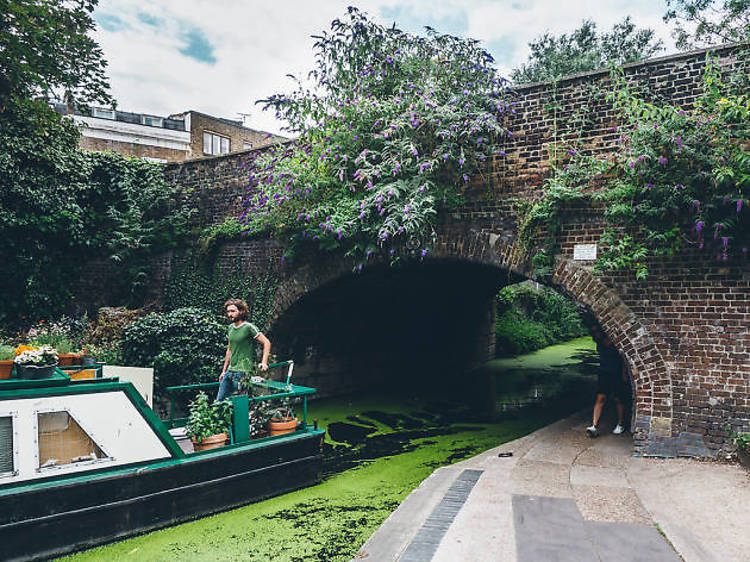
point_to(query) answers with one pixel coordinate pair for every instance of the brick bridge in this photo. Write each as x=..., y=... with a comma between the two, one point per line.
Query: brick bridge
x=684, y=332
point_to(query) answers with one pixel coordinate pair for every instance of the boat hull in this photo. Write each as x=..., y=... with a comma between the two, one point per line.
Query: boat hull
x=54, y=518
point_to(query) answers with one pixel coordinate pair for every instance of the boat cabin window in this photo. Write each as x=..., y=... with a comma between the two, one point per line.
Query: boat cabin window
x=6, y=445
x=62, y=441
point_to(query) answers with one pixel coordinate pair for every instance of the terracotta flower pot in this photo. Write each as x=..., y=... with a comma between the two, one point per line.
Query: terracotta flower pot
x=211, y=442
x=6, y=368
x=284, y=425
x=68, y=359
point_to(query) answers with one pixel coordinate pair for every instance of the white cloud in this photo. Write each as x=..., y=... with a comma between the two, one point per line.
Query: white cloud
x=256, y=44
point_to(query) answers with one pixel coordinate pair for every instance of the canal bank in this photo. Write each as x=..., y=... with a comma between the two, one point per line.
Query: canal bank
x=380, y=446
x=557, y=495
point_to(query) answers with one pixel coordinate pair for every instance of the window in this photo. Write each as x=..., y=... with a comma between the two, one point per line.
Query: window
x=103, y=113
x=6, y=445
x=247, y=145
x=215, y=144
x=152, y=121
x=62, y=441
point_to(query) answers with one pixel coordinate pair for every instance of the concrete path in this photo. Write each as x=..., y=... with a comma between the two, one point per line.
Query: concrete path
x=564, y=497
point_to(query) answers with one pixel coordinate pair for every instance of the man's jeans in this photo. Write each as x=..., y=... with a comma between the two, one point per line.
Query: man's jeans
x=229, y=384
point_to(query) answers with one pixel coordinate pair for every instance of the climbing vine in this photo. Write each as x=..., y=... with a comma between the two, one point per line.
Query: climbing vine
x=207, y=288
x=679, y=177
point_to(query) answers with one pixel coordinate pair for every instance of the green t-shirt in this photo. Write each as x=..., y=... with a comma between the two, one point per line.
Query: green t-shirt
x=242, y=346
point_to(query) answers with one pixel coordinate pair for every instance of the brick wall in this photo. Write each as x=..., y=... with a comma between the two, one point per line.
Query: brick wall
x=684, y=332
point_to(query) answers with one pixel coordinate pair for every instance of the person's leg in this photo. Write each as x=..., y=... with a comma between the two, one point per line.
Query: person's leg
x=601, y=399
x=592, y=430
x=620, y=410
x=226, y=386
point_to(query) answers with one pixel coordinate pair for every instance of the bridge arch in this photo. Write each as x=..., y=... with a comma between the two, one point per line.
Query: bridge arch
x=650, y=373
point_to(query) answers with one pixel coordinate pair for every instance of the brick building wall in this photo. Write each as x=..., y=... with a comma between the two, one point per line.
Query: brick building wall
x=684, y=332
x=133, y=149
x=240, y=138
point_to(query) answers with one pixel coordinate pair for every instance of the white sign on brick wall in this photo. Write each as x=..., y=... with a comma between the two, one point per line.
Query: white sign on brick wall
x=582, y=252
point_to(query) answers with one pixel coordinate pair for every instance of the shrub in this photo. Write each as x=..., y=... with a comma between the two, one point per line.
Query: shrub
x=530, y=318
x=184, y=346
x=517, y=334
x=110, y=324
x=390, y=127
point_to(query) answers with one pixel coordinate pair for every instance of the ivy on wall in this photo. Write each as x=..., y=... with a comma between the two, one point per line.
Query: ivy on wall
x=679, y=177
x=61, y=208
x=208, y=287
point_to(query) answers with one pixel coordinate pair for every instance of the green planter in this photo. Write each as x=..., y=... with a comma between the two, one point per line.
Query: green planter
x=35, y=371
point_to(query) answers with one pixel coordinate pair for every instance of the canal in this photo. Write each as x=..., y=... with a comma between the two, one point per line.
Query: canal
x=380, y=445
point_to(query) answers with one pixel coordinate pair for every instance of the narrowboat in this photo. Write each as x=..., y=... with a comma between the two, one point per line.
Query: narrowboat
x=84, y=460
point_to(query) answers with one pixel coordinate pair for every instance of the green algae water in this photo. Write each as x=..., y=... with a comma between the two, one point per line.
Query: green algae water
x=379, y=447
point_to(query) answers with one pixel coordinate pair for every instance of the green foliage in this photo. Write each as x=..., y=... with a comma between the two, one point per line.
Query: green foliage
x=678, y=177
x=390, y=128
x=210, y=289
x=47, y=50
x=108, y=353
x=61, y=207
x=530, y=318
x=708, y=22
x=515, y=334
x=7, y=353
x=211, y=238
x=584, y=49
x=208, y=417
x=65, y=334
x=184, y=346
x=742, y=440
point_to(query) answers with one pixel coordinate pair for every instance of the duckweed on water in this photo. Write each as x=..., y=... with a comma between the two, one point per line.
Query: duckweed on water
x=378, y=449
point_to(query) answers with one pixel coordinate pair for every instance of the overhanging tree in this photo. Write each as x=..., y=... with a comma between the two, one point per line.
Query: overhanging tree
x=585, y=49
x=708, y=22
x=391, y=126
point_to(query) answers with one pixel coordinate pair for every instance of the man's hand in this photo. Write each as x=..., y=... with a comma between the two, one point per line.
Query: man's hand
x=221, y=376
x=263, y=366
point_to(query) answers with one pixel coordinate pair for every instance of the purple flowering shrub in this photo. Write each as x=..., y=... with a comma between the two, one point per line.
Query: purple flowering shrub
x=390, y=127
x=678, y=177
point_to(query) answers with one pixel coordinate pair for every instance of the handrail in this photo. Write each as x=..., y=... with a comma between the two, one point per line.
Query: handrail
x=289, y=390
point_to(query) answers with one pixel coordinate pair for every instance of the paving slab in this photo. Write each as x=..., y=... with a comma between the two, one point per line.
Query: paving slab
x=483, y=529
x=550, y=529
x=703, y=507
x=553, y=452
x=618, y=542
x=605, y=503
x=583, y=475
x=539, y=478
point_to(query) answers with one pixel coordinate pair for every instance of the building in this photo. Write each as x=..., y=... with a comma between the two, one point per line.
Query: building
x=214, y=136
x=176, y=138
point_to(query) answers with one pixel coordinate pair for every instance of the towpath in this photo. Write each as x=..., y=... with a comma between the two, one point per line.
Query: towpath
x=564, y=497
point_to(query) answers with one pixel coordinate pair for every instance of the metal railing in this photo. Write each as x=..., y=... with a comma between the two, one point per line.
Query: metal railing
x=278, y=390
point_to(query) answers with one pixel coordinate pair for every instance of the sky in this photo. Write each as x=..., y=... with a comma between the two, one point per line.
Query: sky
x=220, y=56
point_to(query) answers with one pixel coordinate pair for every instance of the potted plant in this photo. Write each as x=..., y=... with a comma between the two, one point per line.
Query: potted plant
x=7, y=355
x=282, y=420
x=208, y=422
x=88, y=356
x=35, y=362
x=65, y=355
